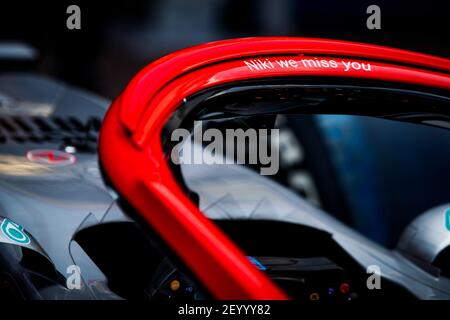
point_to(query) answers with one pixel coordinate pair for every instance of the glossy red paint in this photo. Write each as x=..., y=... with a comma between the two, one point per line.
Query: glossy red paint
x=132, y=156
x=155, y=116
x=153, y=77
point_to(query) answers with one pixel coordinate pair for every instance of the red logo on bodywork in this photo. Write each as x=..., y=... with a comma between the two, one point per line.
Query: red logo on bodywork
x=51, y=157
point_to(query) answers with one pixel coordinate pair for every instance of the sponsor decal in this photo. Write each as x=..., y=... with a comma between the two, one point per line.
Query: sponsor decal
x=447, y=219
x=14, y=232
x=51, y=157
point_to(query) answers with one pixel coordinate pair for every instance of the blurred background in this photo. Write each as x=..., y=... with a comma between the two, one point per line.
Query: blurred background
x=118, y=38
x=375, y=175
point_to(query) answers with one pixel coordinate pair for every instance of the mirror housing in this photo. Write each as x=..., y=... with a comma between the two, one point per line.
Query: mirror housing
x=427, y=237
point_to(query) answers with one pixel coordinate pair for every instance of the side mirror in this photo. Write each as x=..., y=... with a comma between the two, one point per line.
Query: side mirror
x=426, y=240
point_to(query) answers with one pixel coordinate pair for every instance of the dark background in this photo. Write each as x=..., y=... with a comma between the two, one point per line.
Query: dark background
x=118, y=38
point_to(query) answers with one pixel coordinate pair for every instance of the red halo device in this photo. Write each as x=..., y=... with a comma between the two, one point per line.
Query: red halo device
x=132, y=156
